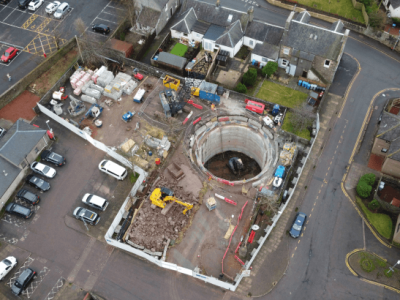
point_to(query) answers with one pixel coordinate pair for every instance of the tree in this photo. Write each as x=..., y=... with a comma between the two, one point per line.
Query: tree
x=131, y=8
x=302, y=116
x=270, y=68
x=241, y=88
x=363, y=189
x=374, y=204
x=250, y=77
x=368, y=178
x=377, y=19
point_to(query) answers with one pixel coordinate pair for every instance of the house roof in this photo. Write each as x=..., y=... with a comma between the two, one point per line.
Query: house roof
x=119, y=45
x=19, y=140
x=8, y=173
x=389, y=130
x=395, y=3
x=303, y=17
x=232, y=35
x=303, y=55
x=314, y=40
x=337, y=26
x=186, y=22
x=266, y=50
x=214, y=32
x=200, y=27
x=395, y=202
x=154, y=4
x=172, y=59
x=148, y=17
x=264, y=32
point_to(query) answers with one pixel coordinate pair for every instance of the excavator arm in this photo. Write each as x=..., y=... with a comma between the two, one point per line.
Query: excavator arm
x=187, y=205
x=156, y=199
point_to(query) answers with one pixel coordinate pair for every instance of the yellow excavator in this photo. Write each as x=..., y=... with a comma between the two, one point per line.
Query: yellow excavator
x=160, y=197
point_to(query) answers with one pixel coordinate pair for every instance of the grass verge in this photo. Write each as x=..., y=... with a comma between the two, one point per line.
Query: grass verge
x=382, y=223
x=179, y=50
x=282, y=95
x=287, y=126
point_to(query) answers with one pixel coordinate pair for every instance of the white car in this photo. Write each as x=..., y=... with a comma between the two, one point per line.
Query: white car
x=51, y=8
x=62, y=10
x=43, y=169
x=95, y=201
x=6, y=265
x=277, y=182
x=35, y=4
x=268, y=122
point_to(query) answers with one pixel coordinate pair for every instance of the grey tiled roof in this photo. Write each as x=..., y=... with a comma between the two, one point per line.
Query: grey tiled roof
x=214, y=32
x=395, y=3
x=389, y=130
x=19, y=141
x=337, y=26
x=303, y=55
x=154, y=4
x=200, y=27
x=314, y=40
x=186, y=22
x=231, y=36
x=8, y=173
x=267, y=50
x=172, y=59
x=303, y=17
x=148, y=17
x=264, y=32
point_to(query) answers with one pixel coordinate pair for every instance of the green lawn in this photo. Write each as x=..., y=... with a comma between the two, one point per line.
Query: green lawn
x=287, y=126
x=342, y=8
x=382, y=223
x=282, y=95
x=179, y=49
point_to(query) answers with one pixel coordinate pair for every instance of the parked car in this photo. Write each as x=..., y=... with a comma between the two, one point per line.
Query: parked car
x=19, y=210
x=28, y=197
x=86, y=215
x=298, y=224
x=113, y=169
x=9, y=54
x=2, y=131
x=22, y=4
x=6, y=265
x=95, y=201
x=5, y=1
x=35, y=4
x=51, y=8
x=101, y=28
x=38, y=183
x=61, y=10
x=280, y=173
x=278, y=118
x=42, y=169
x=23, y=281
x=53, y=158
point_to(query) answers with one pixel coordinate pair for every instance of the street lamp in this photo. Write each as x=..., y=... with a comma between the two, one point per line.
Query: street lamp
x=391, y=268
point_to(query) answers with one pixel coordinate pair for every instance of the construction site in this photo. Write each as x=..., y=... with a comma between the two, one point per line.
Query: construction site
x=213, y=186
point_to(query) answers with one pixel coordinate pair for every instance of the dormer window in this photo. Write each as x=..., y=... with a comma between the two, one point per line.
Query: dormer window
x=327, y=63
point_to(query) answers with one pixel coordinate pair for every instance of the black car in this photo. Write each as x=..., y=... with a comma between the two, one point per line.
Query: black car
x=38, y=183
x=28, y=197
x=19, y=210
x=22, y=4
x=5, y=1
x=23, y=281
x=53, y=158
x=101, y=28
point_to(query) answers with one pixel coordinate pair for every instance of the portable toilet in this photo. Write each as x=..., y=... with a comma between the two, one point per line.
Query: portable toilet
x=275, y=110
x=299, y=83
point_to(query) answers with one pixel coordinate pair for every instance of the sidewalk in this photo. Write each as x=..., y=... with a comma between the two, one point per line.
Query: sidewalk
x=272, y=261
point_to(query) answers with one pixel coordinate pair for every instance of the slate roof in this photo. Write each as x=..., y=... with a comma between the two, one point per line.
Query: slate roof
x=264, y=32
x=267, y=50
x=155, y=4
x=303, y=17
x=19, y=140
x=337, y=26
x=231, y=36
x=214, y=32
x=200, y=27
x=186, y=22
x=303, y=55
x=395, y=3
x=8, y=173
x=314, y=40
x=389, y=130
x=172, y=59
x=148, y=17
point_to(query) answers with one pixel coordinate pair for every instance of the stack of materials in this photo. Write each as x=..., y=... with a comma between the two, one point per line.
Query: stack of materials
x=105, y=78
x=116, y=86
x=288, y=153
x=97, y=73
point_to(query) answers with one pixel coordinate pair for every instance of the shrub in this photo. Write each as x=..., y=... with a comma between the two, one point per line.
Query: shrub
x=363, y=189
x=368, y=178
x=270, y=68
x=377, y=19
x=250, y=77
x=241, y=88
x=396, y=21
x=367, y=265
x=122, y=36
x=374, y=204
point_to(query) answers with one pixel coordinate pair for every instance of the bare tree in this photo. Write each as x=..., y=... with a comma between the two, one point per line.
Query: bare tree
x=270, y=204
x=302, y=117
x=131, y=8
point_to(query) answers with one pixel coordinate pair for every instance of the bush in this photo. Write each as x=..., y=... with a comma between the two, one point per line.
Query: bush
x=241, y=88
x=377, y=19
x=122, y=36
x=363, y=189
x=368, y=178
x=374, y=204
x=367, y=265
x=396, y=21
x=270, y=68
x=250, y=77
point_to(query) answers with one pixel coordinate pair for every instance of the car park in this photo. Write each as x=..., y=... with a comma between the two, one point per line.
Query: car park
x=53, y=158
x=111, y=168
x=51, y=8
x=6, y=265
x=38, y=183
x=22, y=4
x=86, y=215
x=62, y=10
x=298, y=224
x=19, y=210
x=9, y=54
x=95, y=202
x=23, y=281
x=2, y=131
x=28, y=197
x=42, y=169
x=35, y=4
x=101, y=28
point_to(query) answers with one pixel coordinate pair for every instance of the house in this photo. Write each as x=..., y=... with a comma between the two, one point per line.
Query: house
x=213, y=25
x=393, y=7
x=153, y=15
x=310, y=51
x=264, y=39
x=19, y=147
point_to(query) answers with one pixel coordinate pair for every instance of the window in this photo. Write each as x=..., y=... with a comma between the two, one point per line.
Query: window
x=251, y=43
x=264, y=59
x=286, y=51
x=327, y=63
x=384, y=150
x=285, y=62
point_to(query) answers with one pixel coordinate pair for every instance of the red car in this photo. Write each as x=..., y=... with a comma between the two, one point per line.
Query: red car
x=9, y=54
x=256, y=107
x=138, y=76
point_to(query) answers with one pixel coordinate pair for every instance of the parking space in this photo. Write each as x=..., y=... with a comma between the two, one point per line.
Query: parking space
x=4, y=47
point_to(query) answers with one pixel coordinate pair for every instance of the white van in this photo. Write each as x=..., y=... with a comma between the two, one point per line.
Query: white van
x=111, y=168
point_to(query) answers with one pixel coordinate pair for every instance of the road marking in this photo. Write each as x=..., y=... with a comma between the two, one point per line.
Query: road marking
x=331, y=163
x=309, y=216
x=319, y=192
x=292, y=255
x=312, y=209
x=325, y=180
x=81, y=260
x=315, y=203
x=329, y=168
x=363, y=227
x=317, y=197
x=301, y=236
x=374, y=49
x=326, y=174
x=8, y=16
x=298, y=242
x=29, y=21
x=106, y=20
x=307, y=221
x=43, y=25
x=295, y=248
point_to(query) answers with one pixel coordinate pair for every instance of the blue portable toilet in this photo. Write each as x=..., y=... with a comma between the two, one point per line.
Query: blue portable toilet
x=253, y=62
x=304, y=84
x=300, y=81
x=275, y=110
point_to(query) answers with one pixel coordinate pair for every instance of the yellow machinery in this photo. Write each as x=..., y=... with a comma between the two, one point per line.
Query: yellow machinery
x=171, y=82
x=195, y=91
x=160, y=197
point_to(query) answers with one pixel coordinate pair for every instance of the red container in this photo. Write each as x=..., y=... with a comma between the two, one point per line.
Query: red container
x=256, y=107
x=50, y=134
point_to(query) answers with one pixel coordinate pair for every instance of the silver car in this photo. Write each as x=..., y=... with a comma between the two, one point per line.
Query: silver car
x=43, y=169
x=62, y=10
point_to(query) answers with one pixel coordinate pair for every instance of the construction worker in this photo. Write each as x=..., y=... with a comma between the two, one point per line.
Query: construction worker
x=9, y=77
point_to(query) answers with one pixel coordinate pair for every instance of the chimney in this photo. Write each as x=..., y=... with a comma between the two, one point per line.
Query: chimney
x=288, y=20
x=250, y=13
x=345, y=36
x=217, y=5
